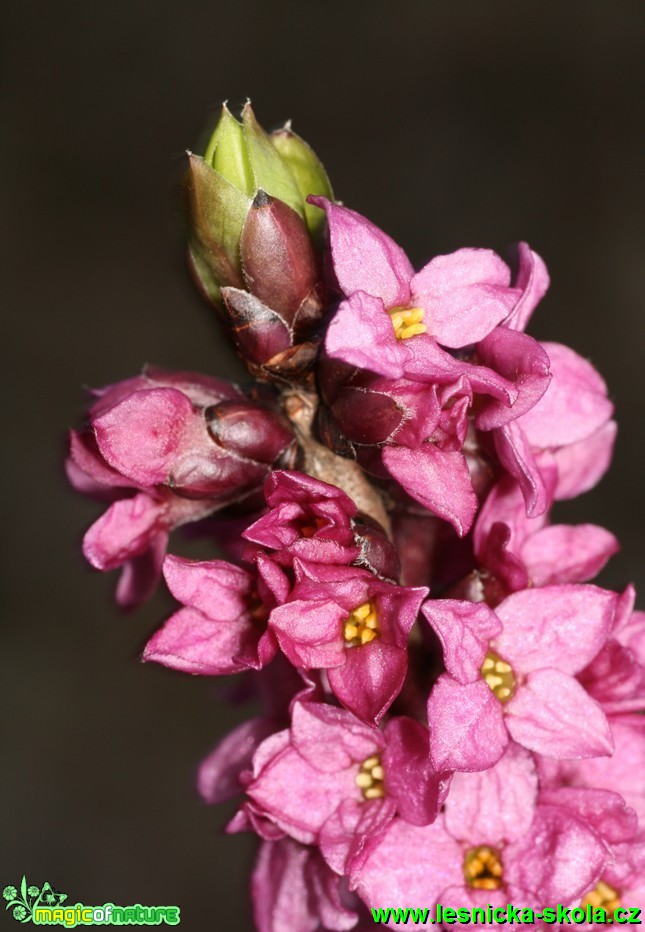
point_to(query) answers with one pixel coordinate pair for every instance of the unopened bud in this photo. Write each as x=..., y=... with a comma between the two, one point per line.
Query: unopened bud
x=249, y=431
x=308, y=171
x=277, y=256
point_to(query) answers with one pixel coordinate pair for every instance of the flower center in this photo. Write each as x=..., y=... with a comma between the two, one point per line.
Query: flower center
x=370, y=778
x=603, y=896
x=483, y=868
x=256, y=608
x=361, y=626
x=407, y=322
x=499, y=676
x=309, y=529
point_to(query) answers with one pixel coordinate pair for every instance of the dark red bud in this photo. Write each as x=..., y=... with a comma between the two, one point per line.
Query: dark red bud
x=249, y=431
x=278, y=258
x=258, y=331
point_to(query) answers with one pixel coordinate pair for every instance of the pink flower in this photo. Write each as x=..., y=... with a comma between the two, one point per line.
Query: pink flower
x=333, y=780
x=293, y=889
x=187, y=444
x=494, y=844
x=517, y=551
x=353, y=625
x=223, y=625
x=570, y=428
x=511, y=674
x=317, y=522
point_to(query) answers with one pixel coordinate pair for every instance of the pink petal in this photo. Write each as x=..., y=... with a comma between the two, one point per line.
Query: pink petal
x=370, y=679
x=467, y=730
x=216, y=588
x=465, y=295
x=126, y=530
x=516, y=456
x=439, y=481
x=520, y=359
x=532, y=278
x=361, y=334
x=552, y=715
x=365, y=258
x=279, y=890
x=409, y=775
x=144, y=435
x=140, y=575
x=562, y=627
x=353, y=831
x=219, y=773
x=193, y=643
x=411, y=866
x=310, y=633
x=558, y=860
x=331, y=739
x=496, y=805
x=568, y=554
x=465, y=630
x=574, y=406
x=582, y=465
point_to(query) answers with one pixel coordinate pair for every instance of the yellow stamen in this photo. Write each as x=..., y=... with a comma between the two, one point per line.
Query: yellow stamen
x=603, y=896
x=361, y=626
x=369, y=778
x=483, y=868
x=407, y=322
x=499, y=676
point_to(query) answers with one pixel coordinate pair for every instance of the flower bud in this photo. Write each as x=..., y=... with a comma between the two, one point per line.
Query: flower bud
x=308, y=171
x=278, y=259
x=249, y=431
x=240, y=160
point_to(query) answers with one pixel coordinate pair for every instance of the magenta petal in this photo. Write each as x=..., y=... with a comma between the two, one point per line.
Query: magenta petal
x=603, y=810
x=563, y=627
x=552, y=715
x=467, y=730
x=143, y=435
x=574, y=406
x=331, y=739
x=219, y=773
x=532, y=279
x=280, y=893
x=352, y=832
x=365, y=258
x=409, y=775
x=567, y=554
x=124, y=531
x=465, y=295
x=193, y=643
x=361, y=334
x=465, y=630
x=559, y=859
x=516, y=456
x=140, y=575
x=412, y=865
x=370, y=679
x=214, y=587
x=439, y=481
x=310, y=633
x=498, y=804
x=520, y=359
x=582, y=465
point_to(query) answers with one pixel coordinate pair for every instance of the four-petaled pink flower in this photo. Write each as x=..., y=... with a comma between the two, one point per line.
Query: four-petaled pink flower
x=511, y=674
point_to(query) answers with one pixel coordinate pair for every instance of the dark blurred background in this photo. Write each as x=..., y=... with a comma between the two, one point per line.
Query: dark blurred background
x=449, y=124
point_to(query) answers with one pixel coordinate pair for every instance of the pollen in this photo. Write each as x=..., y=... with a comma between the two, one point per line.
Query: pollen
x=370, y=778
x=407, y=322
x=499, y=675
x=603, y=896
x=483, y=868
x=361, y=626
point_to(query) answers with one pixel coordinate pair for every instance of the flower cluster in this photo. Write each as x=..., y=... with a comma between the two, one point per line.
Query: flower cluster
x=450, y=707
